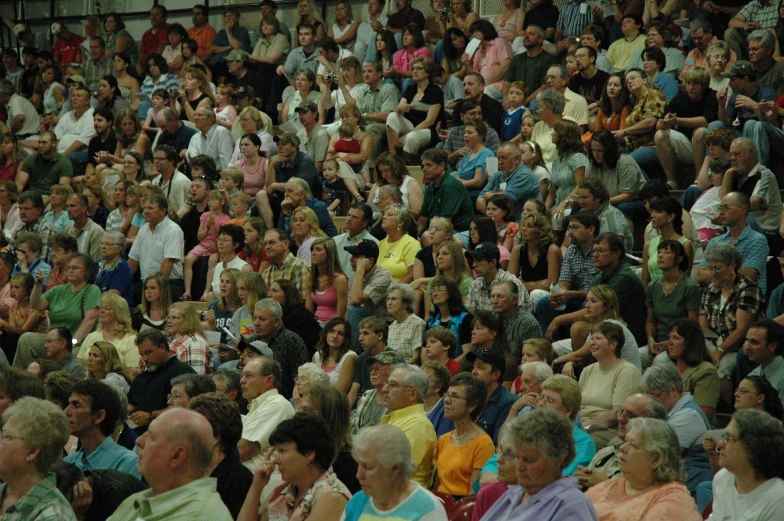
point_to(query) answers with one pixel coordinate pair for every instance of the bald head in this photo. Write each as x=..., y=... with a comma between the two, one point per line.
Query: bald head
x=743, y=155
x=635, y=406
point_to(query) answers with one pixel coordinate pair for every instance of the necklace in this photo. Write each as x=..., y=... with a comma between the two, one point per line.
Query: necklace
x=668, y=288
x=504, y=19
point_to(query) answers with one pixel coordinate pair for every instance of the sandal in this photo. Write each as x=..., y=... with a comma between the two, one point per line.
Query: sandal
x=358, y=198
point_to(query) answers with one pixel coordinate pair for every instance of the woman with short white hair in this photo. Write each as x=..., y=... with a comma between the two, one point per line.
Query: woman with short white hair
x=383, y=454
x=407, y=331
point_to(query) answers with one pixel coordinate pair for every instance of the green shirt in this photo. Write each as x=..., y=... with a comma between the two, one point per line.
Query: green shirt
x=45, y=174
x=385, y=98
x=685, y=297
x=449, y=199
x=197, y=500
x=42, y=503
x=702, y=381
x=66, y=307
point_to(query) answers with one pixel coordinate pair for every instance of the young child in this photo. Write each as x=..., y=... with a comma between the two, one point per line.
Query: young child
x=527, y=126
x=347, y=144
x=231, y=180
x=225, y=113
x=22, y=317
x=57, y=215
x=571, y=64
x=211, y=221
x=513, y=116
x=533, y=159
x=240, y=206
x=334, y=192
x=160, y=100
x=452, y=87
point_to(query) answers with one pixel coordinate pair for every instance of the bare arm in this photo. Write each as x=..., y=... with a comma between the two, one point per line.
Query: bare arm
x=87, y=325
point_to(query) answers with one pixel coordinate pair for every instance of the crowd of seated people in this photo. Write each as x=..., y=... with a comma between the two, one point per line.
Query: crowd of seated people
x=393, y=263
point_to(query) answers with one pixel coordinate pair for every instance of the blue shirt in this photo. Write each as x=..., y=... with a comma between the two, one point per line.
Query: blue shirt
x=496, y=411
x=321, y=211
x=585, y=450
x=119, y=278
x=222, y=40
x=441, y=424
x=108, y=456
x=413, y=508
x=561, y=500
x=513, y=120
x=33, y=268
x=667, y=84
x=521, y=186
x=466, y=170
x=753, y=246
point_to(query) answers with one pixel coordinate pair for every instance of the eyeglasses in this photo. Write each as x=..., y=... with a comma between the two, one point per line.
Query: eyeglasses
x=159, y=158
x=601, y=250
x=624, y=412
x=727, y=439
x=394, y=385
x=453, y=396
x=173, y=396
x=547, y=399
x=716, y=269
x=5, y=436
x=741, y=390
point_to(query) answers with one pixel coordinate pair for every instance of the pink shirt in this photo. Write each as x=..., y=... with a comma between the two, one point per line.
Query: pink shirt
x=402, y=62
x=658, y=503
x=486, y=63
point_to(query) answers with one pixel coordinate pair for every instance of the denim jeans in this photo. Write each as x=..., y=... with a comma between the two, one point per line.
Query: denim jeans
x=649, y=163
x=546, y=313
x=78, y=162
x=765, y=136
x=690, y=196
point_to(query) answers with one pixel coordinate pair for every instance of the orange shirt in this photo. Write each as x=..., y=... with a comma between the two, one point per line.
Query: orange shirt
x=657, y=503
x=204, y=37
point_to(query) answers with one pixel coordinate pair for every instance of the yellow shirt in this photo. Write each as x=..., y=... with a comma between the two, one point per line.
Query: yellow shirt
x=622, y=51
x=419, y=431
x=397, y=257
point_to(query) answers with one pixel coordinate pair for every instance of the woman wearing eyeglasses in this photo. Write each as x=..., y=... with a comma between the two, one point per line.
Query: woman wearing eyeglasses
x=729, y=306
x=750, y=485
x=462, y=453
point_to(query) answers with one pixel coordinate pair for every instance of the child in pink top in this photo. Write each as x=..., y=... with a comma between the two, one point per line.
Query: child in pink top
x=211, y=222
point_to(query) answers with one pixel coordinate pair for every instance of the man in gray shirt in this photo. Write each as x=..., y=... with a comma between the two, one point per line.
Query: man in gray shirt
x=303, y=57
x=376, y=101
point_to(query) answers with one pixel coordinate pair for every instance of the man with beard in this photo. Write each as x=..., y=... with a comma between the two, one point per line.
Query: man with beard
x=149, y=390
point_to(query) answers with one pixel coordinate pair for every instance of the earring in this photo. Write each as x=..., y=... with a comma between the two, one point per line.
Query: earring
x=28, y=459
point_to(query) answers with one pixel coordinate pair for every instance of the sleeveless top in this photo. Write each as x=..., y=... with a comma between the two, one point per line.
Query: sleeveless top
x=254, y=181
x=529, y=272
x=337, y=32
x=222, y=113
x=50, y=103
x=333, y=372
x=326, y=304
x=194, y=105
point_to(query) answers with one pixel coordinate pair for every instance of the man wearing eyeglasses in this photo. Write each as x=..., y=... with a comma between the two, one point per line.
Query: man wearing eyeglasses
x=175, y=184
x=58, y=347
x=752, y=245
x=604, y=464
x=403, y=395
x=513, y=179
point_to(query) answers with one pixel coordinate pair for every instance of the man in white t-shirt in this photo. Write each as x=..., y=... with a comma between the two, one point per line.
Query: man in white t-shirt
x=22, y=116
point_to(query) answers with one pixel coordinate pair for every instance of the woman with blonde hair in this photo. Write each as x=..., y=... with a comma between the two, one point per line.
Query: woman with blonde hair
x=391, y=170
x=536, y=261
x=104, y=363
x=221, y=311
x=114, y=325
x=131, y=137
x=194, y=92
x=344, y=30
x=397, y=251
x=186, y=337
x=250, y=289
x=155, y=304
x=451, y=264
x=311, y=15
x=328, y=295
x=439, y=232
x=58, y=216
x=601, y=305
x=304, y=230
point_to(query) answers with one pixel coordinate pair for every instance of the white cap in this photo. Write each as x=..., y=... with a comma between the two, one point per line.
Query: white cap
x=56, y=28
x=19, y=29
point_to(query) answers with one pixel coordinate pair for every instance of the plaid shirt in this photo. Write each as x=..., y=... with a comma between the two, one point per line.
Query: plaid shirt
x=406, y=337
x=765, y=15
x=479, y=294
x=292, y=269
x=193, y=350
x=43, y=229
x=746, y=295
x=43, y=503
x=578, y=269
x=613, y=220
x=520, y=326
x=376, y=283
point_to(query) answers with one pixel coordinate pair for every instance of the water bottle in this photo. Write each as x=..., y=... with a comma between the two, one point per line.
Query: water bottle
x=555, y=289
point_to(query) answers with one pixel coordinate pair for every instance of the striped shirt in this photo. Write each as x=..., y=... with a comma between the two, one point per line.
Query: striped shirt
x=152, y=247
x=767, y=15
x=571, y=22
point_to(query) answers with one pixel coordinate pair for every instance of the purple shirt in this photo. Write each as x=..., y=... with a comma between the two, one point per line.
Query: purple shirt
x=561, y=500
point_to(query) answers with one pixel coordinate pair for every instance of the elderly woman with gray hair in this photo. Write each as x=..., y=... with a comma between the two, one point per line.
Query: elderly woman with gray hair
x=112, y=272
x=387, y=196
x=730, y=304
x=33, y=436
x=383, y=454
x=550, y=112
x=396, y=252
x=750, y=485
x=407, y=331
x=649, y=488
x=307, y=375
x=543, y=445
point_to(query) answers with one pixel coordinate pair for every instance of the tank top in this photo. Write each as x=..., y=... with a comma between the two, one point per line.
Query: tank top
x=326, y=304
x=254, y=180
x=529, y=272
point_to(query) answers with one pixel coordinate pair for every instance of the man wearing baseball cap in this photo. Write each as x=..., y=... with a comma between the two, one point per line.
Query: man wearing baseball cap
x=743, y=82
x=490, y=366
x=239, y=74
x=313, y=139
x=68, y=47
x=369, y=409
x=369, y=285
x=486, y=260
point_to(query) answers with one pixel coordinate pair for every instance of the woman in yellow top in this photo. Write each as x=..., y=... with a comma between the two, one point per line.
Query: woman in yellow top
x=397, y=251
x=462, y=453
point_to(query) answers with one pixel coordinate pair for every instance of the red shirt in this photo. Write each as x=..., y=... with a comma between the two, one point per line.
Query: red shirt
x=152, y=40
x=255, y=260
x=453, y=366
x=67, y=52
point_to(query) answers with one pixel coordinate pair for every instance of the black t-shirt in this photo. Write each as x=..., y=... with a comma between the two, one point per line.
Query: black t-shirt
x=400, y=20
x=251, y=79
x=425, y=256
x=684, y=107
x=590, y=89
x=27, y=82
x=149, y=390
x=96, y=145
x=542, y=15
x=190, y=227
x=492, y=113
x=304, y=168
x=433, y=96
x=179, y=141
